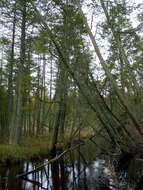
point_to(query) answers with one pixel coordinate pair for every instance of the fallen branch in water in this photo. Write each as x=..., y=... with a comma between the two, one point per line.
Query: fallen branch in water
x=35, y=183
x=50, y=161
x=56, y=158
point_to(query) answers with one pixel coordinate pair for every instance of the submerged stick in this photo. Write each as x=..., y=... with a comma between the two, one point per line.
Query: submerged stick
x=50, y=161
x=35, y=183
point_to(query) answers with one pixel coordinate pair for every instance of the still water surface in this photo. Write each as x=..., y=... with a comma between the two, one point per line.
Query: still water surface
x=79, y=170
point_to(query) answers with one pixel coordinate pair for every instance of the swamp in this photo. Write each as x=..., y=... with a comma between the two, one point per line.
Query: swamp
x=83, y=168
x=71, y=94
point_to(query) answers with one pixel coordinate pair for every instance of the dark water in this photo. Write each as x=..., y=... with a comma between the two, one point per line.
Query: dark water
x=79, y=170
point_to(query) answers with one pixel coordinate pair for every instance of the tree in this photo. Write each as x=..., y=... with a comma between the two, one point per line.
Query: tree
x=10, y=71
x=16, y=129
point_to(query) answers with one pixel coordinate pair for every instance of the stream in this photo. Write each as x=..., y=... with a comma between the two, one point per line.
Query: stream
x=82, y=169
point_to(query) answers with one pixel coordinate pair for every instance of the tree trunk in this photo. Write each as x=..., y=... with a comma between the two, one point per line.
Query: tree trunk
x=54, y=137
x=17, y=125
x=113, y=83
x=10, y=77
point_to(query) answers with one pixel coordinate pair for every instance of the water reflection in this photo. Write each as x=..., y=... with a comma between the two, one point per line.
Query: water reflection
x=75, y=171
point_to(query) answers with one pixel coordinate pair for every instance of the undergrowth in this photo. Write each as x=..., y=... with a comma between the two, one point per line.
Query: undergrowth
x=29, y=148
x=33, y=148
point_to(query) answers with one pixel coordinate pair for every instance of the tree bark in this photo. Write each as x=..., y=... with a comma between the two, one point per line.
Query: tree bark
x=17, y=126
x=10, y=77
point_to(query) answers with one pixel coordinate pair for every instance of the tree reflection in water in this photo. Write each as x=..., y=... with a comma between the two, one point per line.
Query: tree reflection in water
x=74, y=171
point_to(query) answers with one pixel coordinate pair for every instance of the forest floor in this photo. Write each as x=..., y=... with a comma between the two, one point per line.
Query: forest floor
x=33, y=148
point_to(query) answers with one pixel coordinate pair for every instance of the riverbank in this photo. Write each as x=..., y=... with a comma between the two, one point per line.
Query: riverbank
x=32, y=148
x=29, y=148
x=80, y=168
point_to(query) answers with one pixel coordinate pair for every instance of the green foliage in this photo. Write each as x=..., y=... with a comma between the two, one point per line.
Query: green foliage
x=69, y=31
x=4, y=41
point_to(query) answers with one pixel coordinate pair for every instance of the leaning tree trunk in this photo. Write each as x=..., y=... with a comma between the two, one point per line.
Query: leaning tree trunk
x=113, y=83
x=55, y=131
x=123, y=55
x=83, y=90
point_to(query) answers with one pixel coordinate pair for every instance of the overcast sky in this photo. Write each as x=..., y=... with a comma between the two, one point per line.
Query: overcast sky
x=88, y=12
